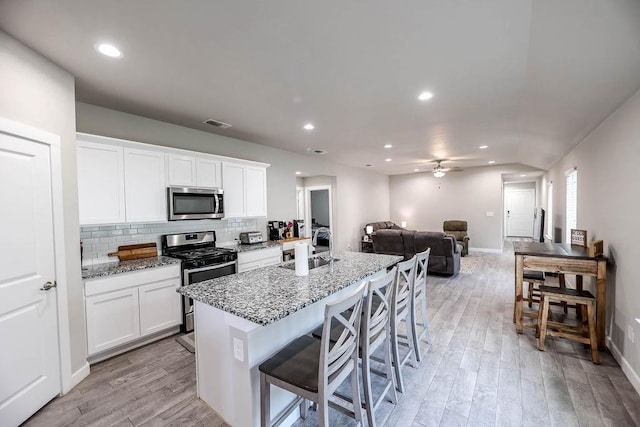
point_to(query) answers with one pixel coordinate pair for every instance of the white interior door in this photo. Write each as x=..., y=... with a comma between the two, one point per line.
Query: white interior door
x=29, y=359
x=519, y=212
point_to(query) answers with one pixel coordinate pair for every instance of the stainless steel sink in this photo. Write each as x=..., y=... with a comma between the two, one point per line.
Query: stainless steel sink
x=314, y=262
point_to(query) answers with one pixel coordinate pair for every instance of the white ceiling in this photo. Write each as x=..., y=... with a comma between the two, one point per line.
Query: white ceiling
x=529, y=79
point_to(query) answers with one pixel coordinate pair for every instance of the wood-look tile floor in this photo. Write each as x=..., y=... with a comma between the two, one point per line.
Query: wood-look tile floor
x=476, y=372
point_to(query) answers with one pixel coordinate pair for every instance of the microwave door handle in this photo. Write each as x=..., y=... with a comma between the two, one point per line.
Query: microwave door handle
x=217, y=199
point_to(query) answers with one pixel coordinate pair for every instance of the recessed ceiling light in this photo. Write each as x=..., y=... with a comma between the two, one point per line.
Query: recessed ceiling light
x=298, y=173
x=491, y=162
x=482, y=147
x=388, y=146
x=309, y=126
x=368, y=166
x=416, y=170
x=523, y=175
x=425, y=96
x=387, y=160
x=108, y=50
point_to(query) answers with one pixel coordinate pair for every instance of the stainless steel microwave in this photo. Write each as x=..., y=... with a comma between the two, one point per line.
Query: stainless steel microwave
x=195, y=203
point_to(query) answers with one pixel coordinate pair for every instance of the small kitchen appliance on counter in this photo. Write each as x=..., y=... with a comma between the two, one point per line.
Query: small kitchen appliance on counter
x=201, y=260
x=250, y=237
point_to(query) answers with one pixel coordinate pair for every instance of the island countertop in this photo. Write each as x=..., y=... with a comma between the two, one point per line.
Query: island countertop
x=266, y=295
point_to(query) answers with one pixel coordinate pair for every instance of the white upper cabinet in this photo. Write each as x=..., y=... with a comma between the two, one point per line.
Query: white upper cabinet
x=190, y=171
x=208, y=172
x=234, y=183
x=256, y=192
x=245, y=190
x=126, y=181
x=145, y=186
x=182, y=170
x=100, y=183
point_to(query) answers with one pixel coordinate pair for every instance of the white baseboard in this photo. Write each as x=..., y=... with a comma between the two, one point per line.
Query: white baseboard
x=494, y=251
x=80, y=374
x=626, y=367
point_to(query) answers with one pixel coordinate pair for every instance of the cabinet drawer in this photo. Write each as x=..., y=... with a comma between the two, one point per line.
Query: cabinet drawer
x=127, y=280
x=260, y=258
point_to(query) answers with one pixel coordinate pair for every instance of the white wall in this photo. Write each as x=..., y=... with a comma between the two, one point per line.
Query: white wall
x=425, y=202
x=353, y=206
x=608, y=206
x=38, y=93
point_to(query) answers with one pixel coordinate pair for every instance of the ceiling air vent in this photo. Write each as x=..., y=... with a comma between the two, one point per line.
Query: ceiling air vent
x=218, y=124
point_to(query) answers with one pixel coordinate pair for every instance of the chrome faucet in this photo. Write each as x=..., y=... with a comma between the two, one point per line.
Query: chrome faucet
x=315, y=240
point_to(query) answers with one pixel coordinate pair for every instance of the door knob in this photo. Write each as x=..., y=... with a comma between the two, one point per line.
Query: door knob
x=48, y=286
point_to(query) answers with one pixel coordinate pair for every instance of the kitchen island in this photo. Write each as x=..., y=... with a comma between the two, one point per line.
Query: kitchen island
x=241, y=320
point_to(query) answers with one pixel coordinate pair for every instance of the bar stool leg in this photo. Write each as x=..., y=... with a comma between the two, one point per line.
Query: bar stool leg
x=396, y=358
x=368, y=395
x=389, y=369
x=355, y=390
x=542, y=321
x=414, y=334
x=323, y=412
x=304, y=409
x=425, y=321
x=530, y=295
x=593, y=339
x=265, y=401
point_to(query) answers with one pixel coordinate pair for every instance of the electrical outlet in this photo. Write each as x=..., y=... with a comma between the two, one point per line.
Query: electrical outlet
x=349, y=248
x=630, y=333
x=238, y=349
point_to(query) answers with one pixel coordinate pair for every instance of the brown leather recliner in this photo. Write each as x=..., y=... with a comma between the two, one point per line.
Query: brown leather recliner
x=458, y=229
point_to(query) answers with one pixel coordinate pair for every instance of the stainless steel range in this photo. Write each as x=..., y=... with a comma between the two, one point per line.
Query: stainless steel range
x=201, y=260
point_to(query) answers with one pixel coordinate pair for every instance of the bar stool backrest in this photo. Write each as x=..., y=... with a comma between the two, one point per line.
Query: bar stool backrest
x=339, y=359
x=377, y=310
x=404, y=287
x=420, y=283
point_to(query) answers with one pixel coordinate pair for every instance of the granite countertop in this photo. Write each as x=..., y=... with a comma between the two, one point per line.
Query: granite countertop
x=254, y=247
x=268, y=294
x=118, y=267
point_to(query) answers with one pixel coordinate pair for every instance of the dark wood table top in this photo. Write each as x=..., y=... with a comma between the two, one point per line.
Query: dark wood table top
x=556, y=250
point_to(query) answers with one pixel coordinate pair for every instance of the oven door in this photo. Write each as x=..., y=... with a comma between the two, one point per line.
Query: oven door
x=195, y=275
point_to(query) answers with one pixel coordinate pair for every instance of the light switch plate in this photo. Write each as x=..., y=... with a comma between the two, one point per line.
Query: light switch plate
x=489, y=213
x=238, y=349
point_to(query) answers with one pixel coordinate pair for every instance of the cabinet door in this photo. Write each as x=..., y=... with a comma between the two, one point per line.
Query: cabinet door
x=100, y=183
x=160, y=306
x=256, y=192
x=233, y=183
x=182, y=170
x=112, y=319
x=145, y=186
x=208, y=173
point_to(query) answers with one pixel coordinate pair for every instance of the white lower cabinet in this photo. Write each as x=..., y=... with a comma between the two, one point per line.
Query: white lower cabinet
x=259, y=258
x=123, y=308
x=158, y=308
x=112, y=319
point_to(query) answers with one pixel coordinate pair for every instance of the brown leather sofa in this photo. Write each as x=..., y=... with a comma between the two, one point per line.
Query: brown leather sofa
x=445, y=252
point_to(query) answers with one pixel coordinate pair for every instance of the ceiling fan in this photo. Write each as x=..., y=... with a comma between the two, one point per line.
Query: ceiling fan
x=439, y=171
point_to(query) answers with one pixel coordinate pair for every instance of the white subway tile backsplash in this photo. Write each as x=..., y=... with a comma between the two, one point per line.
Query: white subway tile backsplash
x=98, y=241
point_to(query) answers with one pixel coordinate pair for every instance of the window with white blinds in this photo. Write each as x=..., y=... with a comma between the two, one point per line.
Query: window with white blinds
x=572, y=203
x=550, y=211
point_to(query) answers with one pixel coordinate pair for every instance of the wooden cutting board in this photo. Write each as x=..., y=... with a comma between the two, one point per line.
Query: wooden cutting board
x=129, y=252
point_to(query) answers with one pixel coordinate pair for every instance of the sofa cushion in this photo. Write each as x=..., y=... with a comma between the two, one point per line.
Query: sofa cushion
x=388, y=241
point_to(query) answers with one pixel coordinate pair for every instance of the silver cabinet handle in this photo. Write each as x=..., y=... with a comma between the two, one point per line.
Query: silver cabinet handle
x=48, y=286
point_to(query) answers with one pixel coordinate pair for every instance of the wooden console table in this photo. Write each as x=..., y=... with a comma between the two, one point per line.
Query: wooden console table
x=561, y=258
